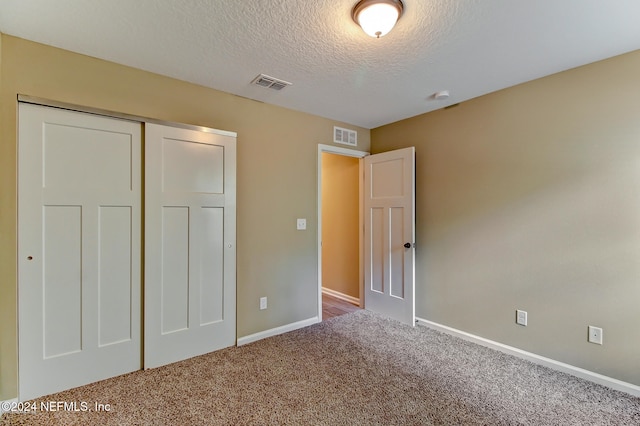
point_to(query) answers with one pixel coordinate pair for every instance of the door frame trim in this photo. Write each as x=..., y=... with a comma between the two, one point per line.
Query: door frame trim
x=322, y=148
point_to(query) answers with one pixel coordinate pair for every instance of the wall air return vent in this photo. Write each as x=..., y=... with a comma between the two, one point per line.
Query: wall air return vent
x=345, y=136
x=270, y=82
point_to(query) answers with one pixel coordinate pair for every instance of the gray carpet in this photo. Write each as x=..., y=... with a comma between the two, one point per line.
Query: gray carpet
x=359, y=368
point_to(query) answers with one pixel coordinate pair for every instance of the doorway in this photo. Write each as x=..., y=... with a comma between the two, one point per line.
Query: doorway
x=386, y=231
x=340, y=237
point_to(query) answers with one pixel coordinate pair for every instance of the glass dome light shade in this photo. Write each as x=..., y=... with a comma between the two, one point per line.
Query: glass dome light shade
x=377, y=18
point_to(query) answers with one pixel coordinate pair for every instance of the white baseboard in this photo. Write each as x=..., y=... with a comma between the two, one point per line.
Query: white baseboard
x=537, y=359
x=7, y=404
x=341, y=296
x=278, y=330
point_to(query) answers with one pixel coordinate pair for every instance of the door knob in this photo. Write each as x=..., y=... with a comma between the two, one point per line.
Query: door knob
x=407, y=245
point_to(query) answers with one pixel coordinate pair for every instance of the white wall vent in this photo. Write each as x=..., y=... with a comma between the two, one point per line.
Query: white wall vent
x=270, y=82
x=345, y=136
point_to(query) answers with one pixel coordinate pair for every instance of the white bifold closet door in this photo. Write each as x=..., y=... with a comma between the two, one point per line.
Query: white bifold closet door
x=79, y=256
x=190, y=233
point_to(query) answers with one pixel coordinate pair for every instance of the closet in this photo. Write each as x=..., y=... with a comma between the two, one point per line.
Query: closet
x=85, y=242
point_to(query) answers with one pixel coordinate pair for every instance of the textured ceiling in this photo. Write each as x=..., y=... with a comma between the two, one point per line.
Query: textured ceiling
x=469, y=47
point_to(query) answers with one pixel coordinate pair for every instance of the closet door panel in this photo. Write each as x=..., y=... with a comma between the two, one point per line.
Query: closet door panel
x=79, y=242
x=115, y=275
x=175, y=269
x=189, y=243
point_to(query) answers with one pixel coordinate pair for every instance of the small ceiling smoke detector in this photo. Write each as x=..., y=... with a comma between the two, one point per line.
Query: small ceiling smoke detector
x=441, y=95
x=270, y=82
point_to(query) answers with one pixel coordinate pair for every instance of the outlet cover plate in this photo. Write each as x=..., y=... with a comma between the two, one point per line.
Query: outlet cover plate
x=263, y=303
x=301, y=224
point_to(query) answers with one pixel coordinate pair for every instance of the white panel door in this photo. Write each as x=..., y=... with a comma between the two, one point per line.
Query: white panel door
x=79, y=234
x=190, y=233
x=389, y=237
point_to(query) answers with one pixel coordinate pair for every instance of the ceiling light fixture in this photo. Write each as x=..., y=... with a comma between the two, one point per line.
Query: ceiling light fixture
x=377, y=17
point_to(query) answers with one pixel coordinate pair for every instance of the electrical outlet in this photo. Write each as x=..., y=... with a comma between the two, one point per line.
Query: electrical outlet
x=595, y=335
x=521, y=317
x=301, y=224
x=263, y=303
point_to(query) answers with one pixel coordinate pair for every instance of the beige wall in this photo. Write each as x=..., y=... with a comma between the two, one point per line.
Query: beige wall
x=529, y=198
x=340, y=224
x=276, y=176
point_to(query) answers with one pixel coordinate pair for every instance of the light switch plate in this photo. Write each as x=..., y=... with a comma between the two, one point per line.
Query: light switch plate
x=521, y=317
x=301, y=224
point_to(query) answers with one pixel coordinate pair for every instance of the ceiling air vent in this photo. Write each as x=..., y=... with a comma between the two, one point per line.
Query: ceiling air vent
x=270, y=82
x=345, y=136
